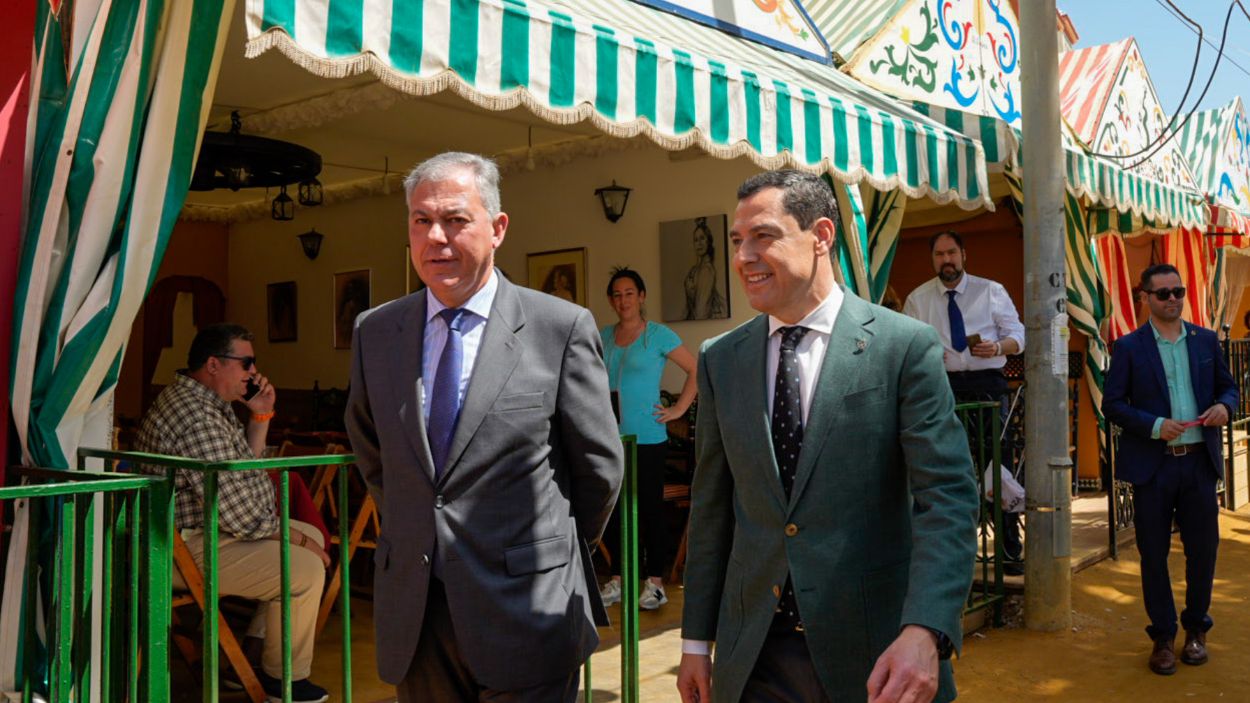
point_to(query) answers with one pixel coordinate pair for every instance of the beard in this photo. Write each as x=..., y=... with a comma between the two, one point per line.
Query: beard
x=950, y=273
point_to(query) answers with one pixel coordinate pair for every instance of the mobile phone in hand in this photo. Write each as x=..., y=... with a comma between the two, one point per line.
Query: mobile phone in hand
x=973, y=340
x=252, y=389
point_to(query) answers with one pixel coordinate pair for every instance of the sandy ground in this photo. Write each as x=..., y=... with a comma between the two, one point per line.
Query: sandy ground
x=1102, y=658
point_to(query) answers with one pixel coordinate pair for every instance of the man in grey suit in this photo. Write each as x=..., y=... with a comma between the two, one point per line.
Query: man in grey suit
x=480, y=418
x=833, y=524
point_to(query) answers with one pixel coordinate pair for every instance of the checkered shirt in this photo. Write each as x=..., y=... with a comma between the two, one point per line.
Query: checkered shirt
x=189, y=420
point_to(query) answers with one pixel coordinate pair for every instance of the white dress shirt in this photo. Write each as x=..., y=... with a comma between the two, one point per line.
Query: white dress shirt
x=810, y=354
x=987, y=310
x=471, y=330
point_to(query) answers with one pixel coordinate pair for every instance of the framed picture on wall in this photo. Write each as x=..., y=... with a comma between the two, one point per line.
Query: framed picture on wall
x=412, y=281
x=283, y=320
x=561, y=273
x=351, y=297
x=694, y=268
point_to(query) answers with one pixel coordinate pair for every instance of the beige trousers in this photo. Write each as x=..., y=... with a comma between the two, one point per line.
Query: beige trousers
x=253, y=569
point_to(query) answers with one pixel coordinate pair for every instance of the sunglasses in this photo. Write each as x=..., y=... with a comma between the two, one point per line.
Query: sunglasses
x=1165, y=293
x=246, y=361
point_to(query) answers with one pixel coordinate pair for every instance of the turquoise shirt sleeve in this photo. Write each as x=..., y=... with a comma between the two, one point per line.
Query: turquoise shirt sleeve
x=1154, y=431
x=665, y=339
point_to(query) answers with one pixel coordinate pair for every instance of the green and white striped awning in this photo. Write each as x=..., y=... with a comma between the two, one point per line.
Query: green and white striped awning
x=632, y=70
x=1136, y=201
x=847, y=24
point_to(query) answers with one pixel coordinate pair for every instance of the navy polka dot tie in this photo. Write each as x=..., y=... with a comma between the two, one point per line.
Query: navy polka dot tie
x=788, y=407
x=787, y=426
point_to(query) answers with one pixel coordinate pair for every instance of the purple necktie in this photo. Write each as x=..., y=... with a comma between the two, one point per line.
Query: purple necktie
x=445, y=402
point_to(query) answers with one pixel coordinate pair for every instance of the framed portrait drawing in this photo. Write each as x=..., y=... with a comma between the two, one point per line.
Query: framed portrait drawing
x=412, y=281
x=561, y=273
x=283, y=320
x=694, y=268
x=351, y=297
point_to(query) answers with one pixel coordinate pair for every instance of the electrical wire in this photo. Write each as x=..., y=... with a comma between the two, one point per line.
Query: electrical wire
x=1206, y=41
x=1167, y=137
x=1195, y=27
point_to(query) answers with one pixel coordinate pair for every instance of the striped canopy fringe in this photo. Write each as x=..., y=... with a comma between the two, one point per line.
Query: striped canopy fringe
x=1229, y=280
x=1187, y=250
x=868, y=236
x=1121, y=303
x=589, y=63
x=1000, y=141
x=112, y=146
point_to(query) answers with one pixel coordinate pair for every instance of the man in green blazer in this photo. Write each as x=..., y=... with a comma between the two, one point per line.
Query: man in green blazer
x=833, y=525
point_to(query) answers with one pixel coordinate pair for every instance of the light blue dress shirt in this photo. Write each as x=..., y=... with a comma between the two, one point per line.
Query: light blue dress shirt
x=1175, y=357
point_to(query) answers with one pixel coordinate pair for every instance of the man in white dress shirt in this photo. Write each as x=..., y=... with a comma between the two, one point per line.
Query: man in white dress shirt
x=979, y=327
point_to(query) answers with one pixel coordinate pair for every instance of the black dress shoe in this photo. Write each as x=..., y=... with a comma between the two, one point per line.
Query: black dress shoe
x=1013, y=567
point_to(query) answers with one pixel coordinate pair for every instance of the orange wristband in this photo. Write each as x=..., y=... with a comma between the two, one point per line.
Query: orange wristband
x=263, y=417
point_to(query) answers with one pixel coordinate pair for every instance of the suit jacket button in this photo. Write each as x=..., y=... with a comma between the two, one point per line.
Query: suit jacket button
x=425, y=559
x=438, y=501
x=792, y=530
x=776, y=591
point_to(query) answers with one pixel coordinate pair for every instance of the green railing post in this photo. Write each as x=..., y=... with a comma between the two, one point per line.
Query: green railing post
x=629, y=573
x=62, y=679
x=157, y=528
x=284, y=550
x=209, y=549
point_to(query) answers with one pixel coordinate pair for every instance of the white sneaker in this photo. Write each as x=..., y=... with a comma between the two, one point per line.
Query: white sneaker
x=652, y=596
x=611, y=592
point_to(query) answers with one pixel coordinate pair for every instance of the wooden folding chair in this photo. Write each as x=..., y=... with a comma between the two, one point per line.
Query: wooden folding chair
x=366, y=518
x=189, y=646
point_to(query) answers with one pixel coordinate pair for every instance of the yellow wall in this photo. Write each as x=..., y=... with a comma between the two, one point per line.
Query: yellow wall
x=549, y=209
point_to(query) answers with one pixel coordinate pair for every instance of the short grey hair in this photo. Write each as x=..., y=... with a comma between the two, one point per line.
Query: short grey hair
x=446, y=164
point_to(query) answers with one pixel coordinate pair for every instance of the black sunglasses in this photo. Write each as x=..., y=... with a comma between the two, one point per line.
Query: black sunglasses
x=247, y=361
x=1165, y=293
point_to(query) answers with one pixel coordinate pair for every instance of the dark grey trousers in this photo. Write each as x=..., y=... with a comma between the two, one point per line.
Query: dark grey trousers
x=439, y=675
x=783, y=672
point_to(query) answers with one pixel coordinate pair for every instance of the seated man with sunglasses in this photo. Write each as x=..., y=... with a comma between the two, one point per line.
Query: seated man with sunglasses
x=1169, y=389
x=193, y=417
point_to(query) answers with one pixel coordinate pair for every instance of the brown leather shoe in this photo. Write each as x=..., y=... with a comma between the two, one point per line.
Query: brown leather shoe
x=1195, y=651
x=1163, y=659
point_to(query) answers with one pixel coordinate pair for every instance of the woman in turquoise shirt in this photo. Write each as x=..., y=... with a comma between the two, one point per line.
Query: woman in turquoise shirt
x=636, y=351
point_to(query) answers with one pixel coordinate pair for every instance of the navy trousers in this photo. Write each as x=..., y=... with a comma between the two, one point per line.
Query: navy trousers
x=1182, y=489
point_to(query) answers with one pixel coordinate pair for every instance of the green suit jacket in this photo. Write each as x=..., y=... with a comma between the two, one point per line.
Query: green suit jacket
x=884, y=502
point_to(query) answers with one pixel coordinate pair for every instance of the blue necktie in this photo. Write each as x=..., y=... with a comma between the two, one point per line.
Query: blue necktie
x=445, y=402
x=959, y=340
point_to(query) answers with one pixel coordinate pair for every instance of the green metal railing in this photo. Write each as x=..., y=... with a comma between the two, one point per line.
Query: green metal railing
x=138, y=524
x=983, y=423
x=124, y=506
x=211, y=474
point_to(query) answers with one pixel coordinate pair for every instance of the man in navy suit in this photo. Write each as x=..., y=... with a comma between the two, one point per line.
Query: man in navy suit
x=1170, y=390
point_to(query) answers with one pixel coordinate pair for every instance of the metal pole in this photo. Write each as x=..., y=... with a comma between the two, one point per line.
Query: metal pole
x=1048, y=555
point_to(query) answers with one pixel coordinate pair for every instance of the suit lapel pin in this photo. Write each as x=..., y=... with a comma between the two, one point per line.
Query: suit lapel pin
x=860, y=345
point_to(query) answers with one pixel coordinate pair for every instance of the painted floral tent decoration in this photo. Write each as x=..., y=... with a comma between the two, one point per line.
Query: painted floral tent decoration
x=958, y=54
x=1106, y=96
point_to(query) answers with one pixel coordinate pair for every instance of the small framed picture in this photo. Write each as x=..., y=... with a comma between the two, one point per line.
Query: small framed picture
x=283, y=320
x=351, y=297
x=561, y=273
x=694, y=268
x=412, y=280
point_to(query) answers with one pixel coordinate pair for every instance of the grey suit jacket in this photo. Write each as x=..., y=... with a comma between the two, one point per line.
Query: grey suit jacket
x=531, y=478
x=879, y=530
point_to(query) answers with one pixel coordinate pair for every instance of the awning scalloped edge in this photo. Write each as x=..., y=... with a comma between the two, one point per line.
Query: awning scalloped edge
x=449, y=80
